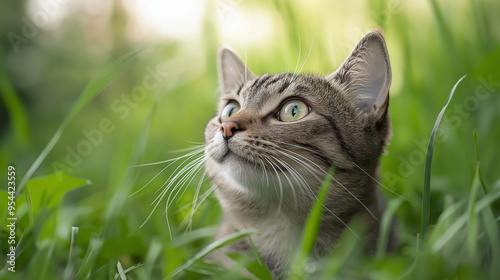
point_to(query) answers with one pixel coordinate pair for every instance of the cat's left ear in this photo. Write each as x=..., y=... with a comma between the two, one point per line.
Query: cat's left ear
x=367, y=74
x=232, y=71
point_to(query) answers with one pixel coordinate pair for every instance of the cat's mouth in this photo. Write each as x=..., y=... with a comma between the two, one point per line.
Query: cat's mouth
x=236, y=152
x=232, y=156
x=236, y=156
x=225, y=151
x=230, y=152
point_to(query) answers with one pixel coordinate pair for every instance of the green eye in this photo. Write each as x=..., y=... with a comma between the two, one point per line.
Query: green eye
x=293, y=110
x=231, y=108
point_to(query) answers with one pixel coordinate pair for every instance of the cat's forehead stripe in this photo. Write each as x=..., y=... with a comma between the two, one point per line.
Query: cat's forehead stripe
x=266, y=80
x=239, y=89
x=284, y=86
x=260, y=81
x=274, y=80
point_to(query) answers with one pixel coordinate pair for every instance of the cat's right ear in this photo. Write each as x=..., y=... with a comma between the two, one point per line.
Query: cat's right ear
x=232, y=71
x=366, y=74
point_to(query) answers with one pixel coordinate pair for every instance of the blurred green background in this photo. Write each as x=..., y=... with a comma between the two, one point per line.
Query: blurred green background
x=162, y=99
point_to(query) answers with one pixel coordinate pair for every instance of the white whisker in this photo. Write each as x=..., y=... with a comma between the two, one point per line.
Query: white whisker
x=183, y=174
x=309, y=168
x=395, y=193
x=338, y=182
x=279, y=183
x=288, y=179
x=305, y=60
x=298, y=59
x=196, y=150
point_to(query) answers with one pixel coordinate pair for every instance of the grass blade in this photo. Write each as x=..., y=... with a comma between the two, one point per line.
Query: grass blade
x=311, y=229
x=473, y=219
x=154, y=252
x=494, y=239
x=385, y=225
x=477, y=159
x=459, y=223
x=127, y=271
x=93, y=250
x=424, y=221
x=69, y=270
x=488, y=218
x=446, y=34
x=226, y=240
x=347, y=250
x=122, y=274
x=92, y=89
x=258, y=269
x=14, y=105
x=120, y=196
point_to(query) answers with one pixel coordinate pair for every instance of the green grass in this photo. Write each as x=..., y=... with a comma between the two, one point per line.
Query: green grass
x=424, y=222
x=83, y=222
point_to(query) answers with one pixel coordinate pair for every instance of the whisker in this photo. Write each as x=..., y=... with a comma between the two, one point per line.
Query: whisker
x=309, y=168
x=314, y=152
x=179, y=186
x=305, y=60
x=197, y=146
x=197, y=150
x=393, y=192
x=187, y=177
x=265, y=171
x=195, y=200
x=246, y=67
x=188, y=222
x=303, y=183
x=184, y=166
x=279, y=183
x=164, y=192
x=174, y=173
x=157, y=174
x=286, y=176
x=338, y=182
x=298, y=59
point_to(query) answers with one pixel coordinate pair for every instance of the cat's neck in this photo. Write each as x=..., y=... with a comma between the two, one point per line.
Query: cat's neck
x=246, y=210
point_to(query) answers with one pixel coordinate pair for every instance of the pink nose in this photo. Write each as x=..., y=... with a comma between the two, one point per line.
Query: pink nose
x=229, y=128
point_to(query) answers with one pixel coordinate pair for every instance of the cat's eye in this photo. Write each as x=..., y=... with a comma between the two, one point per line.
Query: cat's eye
x=293, y=110
x=231, y=108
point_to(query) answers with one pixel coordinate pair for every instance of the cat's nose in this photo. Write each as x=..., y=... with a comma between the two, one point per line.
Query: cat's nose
x=229, y=128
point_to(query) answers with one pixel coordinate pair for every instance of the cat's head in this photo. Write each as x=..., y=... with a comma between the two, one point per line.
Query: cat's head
x=278, y=134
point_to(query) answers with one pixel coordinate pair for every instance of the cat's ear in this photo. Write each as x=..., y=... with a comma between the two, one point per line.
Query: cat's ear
x=367, y=74
x=232, y=71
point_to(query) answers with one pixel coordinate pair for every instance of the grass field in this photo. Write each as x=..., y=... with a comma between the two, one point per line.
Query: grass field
x=92, y=93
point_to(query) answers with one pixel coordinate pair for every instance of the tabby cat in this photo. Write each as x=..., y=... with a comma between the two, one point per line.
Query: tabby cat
x=274, y=138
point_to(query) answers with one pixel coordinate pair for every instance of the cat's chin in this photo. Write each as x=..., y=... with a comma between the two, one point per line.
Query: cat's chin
x=233, y=158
